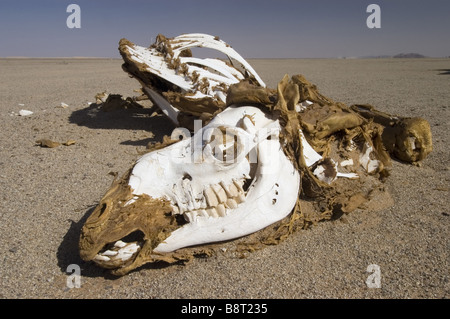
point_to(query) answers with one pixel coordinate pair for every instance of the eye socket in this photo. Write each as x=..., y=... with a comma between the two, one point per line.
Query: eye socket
x=225, y=144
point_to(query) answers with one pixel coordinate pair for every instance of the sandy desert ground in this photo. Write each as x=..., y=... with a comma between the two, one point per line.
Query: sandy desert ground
x=47, y=193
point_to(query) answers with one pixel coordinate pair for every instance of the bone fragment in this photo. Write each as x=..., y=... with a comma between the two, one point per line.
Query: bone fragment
x=25, y=113
x=109, y=253
x=348, y=162
x=102, y=258
x=164, y=105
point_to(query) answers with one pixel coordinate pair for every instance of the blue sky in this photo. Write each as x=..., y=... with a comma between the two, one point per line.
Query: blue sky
x=256, y=29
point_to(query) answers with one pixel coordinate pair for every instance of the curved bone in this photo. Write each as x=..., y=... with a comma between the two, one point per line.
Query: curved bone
x=227, y=71
x=201, y=40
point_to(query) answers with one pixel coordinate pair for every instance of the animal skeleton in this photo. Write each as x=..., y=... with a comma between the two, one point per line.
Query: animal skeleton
x=245, y=170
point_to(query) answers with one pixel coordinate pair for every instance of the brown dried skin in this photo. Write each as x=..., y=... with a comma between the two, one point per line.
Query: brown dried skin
x=47, y=143
x=322, y=121
x=117, y=102
x=411, y=131
x=308, y=91
x=408, y=139
x=330, y=126
x=246, y=93
x=112, y=220
x=193, y=106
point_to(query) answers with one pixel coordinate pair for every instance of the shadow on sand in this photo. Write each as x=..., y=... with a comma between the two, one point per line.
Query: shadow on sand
x=124, y=119
x=444, y=71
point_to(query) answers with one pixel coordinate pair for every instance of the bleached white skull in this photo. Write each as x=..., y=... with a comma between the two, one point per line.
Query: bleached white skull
x=229, y=180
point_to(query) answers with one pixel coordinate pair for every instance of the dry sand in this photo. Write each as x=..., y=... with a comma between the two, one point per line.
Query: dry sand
x=48, y=193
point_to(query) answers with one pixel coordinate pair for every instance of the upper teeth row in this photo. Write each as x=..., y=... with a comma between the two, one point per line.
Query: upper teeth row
x=121, y=251
x=218, y=197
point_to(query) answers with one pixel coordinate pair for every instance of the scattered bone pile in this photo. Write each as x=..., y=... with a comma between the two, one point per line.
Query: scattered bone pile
x=320, y=140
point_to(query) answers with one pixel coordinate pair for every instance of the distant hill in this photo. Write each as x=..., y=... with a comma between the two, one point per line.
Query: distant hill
x=409, y=56
x=398, y=56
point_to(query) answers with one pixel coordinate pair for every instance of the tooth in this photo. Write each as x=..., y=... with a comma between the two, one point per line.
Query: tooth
x=189, y=217
x=231, y=203
x=221, y=210
x=240, y=198
x=201, y=213
x=127, y=251
x=220, y=192
x=101, y=258
x=212, y=212
x=175, y=210
x=109, y=253
x=225, y=188
x=233, y=190
x=210, y=196
x=120, y=244
x=202, y=203
x=238, y=184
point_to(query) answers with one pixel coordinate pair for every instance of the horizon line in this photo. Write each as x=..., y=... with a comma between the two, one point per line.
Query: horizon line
x=381, y=56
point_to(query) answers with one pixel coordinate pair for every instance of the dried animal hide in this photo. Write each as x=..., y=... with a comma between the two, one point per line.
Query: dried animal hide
x=117, y=102
x=340, y=136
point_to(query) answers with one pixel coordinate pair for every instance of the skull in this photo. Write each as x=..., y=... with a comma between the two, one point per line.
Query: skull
x=230, y=179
